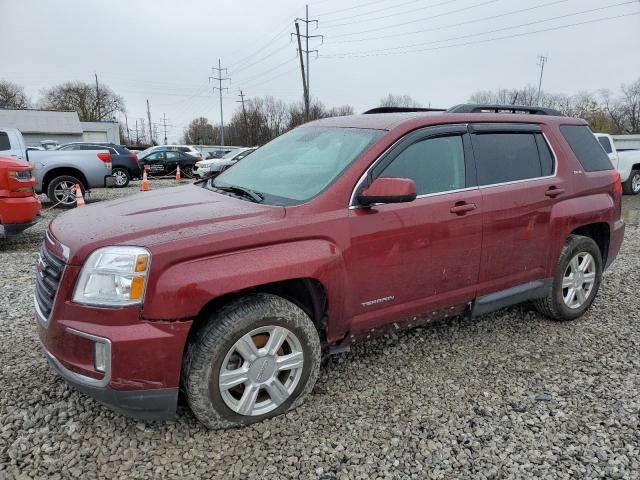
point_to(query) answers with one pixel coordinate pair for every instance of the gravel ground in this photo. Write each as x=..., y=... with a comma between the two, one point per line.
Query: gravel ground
x=506, y=395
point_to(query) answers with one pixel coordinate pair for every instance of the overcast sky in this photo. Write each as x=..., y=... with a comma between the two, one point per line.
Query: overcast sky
x=437, y=51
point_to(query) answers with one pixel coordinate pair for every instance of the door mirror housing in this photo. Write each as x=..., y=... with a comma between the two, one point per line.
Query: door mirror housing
x=388, y=190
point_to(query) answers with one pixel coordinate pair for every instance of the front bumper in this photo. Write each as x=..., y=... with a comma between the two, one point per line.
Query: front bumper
x=157, y=404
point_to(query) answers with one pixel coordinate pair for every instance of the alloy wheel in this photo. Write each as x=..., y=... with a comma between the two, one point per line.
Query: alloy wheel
x=578, y=280
x=121, y=178
x=635, y=183
x=65, y=193
x=261, y=370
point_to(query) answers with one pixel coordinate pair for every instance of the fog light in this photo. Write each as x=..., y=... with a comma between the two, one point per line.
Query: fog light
x=100, y=356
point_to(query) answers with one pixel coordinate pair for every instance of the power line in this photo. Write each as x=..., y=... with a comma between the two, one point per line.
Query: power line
x=332, y=23
x=451, y=25
x=512, y=27
x=416, y=20
x=487, y=40
x=351, y=8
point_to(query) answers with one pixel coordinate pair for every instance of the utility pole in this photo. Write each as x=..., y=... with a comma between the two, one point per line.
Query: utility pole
x=165, y=125
x=306, y=51
x=542, y=59
x=150, y=125
x=97, y=96
x=126, y=122
x=244, y=114
x=137, y=136
x=220, y=78
x=304, y=79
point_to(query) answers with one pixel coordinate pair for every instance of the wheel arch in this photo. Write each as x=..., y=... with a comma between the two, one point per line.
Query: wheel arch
x=599, y=232
x=61, y=171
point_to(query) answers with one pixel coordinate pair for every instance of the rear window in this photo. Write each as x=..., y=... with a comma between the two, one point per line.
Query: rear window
x=606, y=144
x=4, y=141
x=507, y=157
x=586, y=148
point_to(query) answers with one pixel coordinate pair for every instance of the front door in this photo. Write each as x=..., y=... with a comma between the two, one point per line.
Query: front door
x=422, y=257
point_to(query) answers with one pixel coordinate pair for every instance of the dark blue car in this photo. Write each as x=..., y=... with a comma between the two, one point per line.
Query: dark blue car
x=124, y=162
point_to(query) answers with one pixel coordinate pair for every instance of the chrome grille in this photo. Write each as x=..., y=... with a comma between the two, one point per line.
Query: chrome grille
x=48, y=275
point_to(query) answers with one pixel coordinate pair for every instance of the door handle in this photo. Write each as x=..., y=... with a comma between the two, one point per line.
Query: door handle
x=460, y=208
x=554, y=192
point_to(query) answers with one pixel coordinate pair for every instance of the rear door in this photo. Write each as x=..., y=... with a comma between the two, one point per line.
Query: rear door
x=519, y=186
x=156, y=162
x=422, y=257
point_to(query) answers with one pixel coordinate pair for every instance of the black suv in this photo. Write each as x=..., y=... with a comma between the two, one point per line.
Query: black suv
x=124, y=162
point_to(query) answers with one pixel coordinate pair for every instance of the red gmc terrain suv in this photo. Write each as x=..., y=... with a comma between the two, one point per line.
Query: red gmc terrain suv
x=229, y=289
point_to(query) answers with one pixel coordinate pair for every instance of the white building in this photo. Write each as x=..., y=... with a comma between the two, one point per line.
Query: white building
x=61, y=127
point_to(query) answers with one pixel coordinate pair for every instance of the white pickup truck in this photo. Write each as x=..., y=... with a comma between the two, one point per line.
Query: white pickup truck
x=627, y=162
x=58, y=171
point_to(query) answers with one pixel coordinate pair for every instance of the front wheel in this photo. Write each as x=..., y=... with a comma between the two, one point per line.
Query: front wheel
x=576, y=281
x=256, y=358
x=632, y=185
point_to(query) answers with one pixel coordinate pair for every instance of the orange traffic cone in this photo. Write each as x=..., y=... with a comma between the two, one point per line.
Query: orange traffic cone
x=178, y=176
x=144, y=186
x=79, y=197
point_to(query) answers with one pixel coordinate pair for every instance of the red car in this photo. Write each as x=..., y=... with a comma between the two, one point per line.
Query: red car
x=339, y=230
x=19, y=205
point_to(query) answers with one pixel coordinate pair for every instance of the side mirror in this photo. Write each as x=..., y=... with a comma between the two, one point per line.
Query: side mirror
x=388, y=190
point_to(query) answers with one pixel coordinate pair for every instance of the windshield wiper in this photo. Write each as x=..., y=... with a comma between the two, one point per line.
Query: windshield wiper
x=245, y=192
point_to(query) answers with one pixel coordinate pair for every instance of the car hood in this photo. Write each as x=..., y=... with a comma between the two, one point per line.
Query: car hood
x=153, y=218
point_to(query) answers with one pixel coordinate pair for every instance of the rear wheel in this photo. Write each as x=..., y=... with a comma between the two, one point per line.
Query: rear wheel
x=576, y=281
x=122, y=176
x=256, y=358
x=632, y=185
x=62, y=191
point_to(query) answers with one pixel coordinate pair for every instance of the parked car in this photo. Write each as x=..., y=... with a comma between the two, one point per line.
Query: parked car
x=189, y=149
x=214, y=151
x=124, y=163
x=19, y=205
x=341, y=229
x=626, y=162
x=57, y=172
x=212, y=167
x=165, y=162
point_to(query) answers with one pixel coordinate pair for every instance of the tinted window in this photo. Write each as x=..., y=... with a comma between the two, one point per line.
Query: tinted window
x=173, y=155
x=586, y=148
x=92, y=147
x=155, y=156
x=435, y=165
x=506, y=157
x=606, y=144
x=547, y=162
x=4, y=141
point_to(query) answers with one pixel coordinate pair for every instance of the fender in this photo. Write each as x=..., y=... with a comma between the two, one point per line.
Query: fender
x=183, y=289
x=573, y=213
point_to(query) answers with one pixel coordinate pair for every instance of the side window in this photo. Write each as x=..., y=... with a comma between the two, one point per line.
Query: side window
x=155, y=156
x=506, y=157
x=4, y=141
x=434, y=164
x=91, y=147
x=173, y=156
x=586, y=148
x=606, y=144
x=547, y=162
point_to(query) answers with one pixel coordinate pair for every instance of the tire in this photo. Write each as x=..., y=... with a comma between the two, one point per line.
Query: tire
x=218, y=343
x=122, y=176
x=59, y=193
x=632, y=185
x=187, y=171
x=555, y=305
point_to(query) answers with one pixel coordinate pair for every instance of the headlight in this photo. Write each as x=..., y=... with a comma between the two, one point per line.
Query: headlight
x=113, y=277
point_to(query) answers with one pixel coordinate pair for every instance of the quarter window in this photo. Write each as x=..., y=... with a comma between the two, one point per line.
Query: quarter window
x=606, y=144
x=508, y=157
x=586, y=148
x=4, y=141
x=435, y=165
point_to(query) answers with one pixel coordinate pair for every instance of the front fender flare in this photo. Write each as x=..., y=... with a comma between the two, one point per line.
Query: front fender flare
x=185, y=288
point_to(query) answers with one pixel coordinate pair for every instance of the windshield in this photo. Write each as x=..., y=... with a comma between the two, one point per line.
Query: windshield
x=298, y=165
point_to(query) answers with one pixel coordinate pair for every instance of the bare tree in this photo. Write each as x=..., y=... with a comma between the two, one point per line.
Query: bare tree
x=84, y=99
x=12, y=96
x=630, y=106
x=399, y=101
x=200, y=132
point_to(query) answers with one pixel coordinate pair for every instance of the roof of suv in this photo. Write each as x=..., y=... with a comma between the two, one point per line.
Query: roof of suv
x=388, y=121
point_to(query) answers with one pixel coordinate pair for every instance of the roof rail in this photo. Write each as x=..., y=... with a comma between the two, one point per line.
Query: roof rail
x=518, y=109
x=402, y=109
